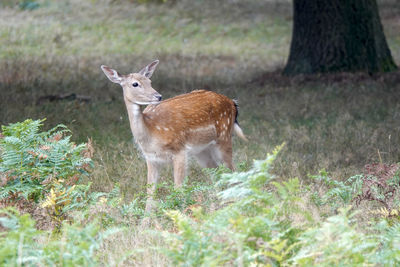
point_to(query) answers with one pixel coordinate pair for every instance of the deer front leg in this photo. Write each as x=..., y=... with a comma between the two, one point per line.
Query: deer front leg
x=179, y=162
x=152, y=179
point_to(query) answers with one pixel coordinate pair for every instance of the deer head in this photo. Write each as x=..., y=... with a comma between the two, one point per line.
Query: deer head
x=136, y=86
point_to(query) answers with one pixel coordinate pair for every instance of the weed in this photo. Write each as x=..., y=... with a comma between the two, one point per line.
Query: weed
x=381, y=183
x=76, y=245
x=252, y=228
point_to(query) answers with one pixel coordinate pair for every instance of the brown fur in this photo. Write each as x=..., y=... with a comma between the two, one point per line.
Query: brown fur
x=177, y=117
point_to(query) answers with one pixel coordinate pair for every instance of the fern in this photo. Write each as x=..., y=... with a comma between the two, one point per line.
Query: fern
x=337, y=193
x=388, y=238
x=31, y=160
x=240, y=185
x=335, y=243
x=253, y=227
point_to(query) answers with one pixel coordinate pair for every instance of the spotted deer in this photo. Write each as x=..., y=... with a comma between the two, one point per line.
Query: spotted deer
x=197, y=124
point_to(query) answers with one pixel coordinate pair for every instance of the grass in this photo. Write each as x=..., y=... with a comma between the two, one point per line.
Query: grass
x=337, y=122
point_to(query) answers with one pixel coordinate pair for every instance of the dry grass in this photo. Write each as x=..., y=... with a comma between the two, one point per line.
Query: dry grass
x=134, y=247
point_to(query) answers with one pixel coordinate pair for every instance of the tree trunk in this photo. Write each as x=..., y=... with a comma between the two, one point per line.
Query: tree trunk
x=337, y=35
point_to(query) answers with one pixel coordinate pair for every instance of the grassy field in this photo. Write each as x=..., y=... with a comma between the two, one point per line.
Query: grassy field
x=337, y=122
x=236, y=48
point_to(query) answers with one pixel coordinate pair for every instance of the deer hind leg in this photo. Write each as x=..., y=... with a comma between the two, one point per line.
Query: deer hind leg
x=179, y=163
x=224, y=152
x=153, y=173
x=206, y=158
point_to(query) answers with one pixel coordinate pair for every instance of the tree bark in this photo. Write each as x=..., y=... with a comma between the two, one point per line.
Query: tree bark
x=337, y=35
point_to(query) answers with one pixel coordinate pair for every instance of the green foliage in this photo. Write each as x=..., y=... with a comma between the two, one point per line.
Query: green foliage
x=23, y=244
x=133, y=208
x=335, y=243
x=380, y=184
x=388, y=239
x=338, y=242
x=170, y=197
x=336, y=193
x=21, y=4
x=108, y=207
x=43, y=166
x=266, y=222
x=254, y=227
x=115, y=212
x=31, y=162
x=28, y=5
x=39, y=46
x=18, y=246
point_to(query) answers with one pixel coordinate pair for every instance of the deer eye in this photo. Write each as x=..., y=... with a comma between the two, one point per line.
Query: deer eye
x=135, y=84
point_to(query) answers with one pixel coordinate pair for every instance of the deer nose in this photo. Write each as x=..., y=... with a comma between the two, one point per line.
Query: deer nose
x=159, y=97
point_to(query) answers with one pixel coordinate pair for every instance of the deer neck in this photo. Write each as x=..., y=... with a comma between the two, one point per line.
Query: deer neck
x=136, y=120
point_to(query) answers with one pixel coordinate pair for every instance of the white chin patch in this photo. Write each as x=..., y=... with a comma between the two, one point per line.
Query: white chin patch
x=147, y=103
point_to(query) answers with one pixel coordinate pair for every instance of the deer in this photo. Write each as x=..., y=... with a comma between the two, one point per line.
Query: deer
x=195, y=125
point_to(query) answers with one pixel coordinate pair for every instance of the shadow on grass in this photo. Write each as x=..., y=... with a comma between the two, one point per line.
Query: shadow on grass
x=339, y=122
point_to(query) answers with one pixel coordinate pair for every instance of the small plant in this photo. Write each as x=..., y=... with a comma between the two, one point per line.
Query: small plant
x=338, y=242
x=28, y=5
x=335, y=242
x=388, y=238
x=23, y=244
x=109, y=207
x=381, y=184
x=22, y=4
x=182, y=198
x=254, y=227
x=259, y=225
x=335, y=193
x=387, y=214
x=38, y=165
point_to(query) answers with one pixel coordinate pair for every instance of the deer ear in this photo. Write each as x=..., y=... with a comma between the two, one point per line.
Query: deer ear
x=149, y=69
x=111, y=74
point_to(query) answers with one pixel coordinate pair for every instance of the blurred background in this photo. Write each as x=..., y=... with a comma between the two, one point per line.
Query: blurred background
x=51, y=52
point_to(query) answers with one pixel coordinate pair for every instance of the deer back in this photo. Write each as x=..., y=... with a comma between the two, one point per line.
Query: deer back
x=193, y=119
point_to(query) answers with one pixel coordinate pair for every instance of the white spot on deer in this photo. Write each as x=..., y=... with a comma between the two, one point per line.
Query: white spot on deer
x=224, y=112
x=158, y=128
x=229, y=120
x=217, y=122
x=165, y=129
x=203, y=129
